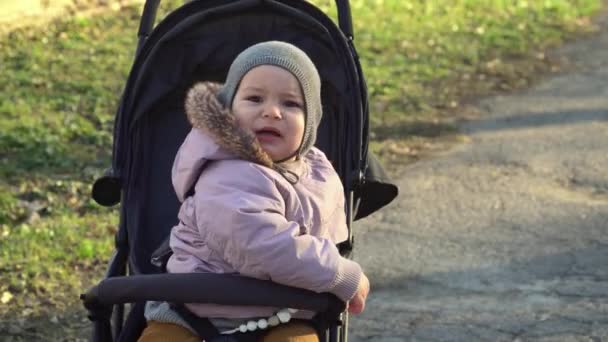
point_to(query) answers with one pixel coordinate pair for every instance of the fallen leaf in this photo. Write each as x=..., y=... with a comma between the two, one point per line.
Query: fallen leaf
x=6, y=297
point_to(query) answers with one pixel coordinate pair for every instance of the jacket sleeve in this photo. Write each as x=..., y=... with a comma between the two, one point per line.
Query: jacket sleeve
x=243, y=220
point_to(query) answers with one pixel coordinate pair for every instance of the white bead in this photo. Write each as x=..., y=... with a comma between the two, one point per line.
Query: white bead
x=273, y=321
x=262, y=324
x=251, y=326
x=292, y=311
x=284, y=316
x=243, y=328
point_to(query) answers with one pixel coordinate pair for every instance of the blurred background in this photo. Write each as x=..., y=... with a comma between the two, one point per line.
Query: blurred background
x=63, y=65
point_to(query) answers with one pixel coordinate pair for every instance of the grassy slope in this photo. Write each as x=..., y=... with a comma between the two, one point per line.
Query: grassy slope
x=60, y=85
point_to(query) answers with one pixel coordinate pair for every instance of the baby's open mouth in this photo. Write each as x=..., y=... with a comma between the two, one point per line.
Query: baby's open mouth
x=268, y=132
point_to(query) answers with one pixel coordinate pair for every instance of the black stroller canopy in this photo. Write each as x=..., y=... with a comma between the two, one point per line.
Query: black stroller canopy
x=205, y=53
x=198, y=42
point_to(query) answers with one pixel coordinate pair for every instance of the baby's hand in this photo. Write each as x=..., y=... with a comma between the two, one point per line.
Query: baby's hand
x=357, y=304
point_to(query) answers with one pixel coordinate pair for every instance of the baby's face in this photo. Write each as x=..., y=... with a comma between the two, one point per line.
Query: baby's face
x=269, y=103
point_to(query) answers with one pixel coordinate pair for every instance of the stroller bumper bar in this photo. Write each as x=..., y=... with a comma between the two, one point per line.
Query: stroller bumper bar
x=203, y=288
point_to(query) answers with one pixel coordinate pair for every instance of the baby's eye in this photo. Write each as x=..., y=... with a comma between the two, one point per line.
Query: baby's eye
x=254, y=98
x=293, y=104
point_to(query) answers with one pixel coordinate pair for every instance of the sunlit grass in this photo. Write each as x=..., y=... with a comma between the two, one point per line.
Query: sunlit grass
x=413, y=45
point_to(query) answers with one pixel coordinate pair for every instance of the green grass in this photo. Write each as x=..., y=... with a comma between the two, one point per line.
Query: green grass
x=416, y=44
x=60, y=85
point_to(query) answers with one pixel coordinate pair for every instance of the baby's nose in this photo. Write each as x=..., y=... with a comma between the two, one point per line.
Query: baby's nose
x=272, y=111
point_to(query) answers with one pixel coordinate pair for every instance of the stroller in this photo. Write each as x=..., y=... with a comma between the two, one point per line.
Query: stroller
x=197, y=42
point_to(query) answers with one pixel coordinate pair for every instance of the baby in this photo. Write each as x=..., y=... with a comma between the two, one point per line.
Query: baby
x=266, y=203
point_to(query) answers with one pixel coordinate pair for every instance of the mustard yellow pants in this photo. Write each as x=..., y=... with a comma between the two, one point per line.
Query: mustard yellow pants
x=167, y=332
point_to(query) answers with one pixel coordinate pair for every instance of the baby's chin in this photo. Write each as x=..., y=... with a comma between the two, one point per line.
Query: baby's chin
x=282, y=157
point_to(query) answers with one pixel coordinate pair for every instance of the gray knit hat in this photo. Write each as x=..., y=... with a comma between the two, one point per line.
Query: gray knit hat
x=292, y=59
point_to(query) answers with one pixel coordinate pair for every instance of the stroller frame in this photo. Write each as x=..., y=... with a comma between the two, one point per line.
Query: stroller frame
x=105, y=301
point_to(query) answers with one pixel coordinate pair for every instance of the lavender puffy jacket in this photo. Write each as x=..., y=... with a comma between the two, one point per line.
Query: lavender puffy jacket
x=246, y=218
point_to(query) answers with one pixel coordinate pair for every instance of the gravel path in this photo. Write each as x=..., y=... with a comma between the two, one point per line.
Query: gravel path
x=504, y=238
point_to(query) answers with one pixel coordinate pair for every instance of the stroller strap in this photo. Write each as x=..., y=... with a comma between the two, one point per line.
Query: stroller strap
x=208, y=332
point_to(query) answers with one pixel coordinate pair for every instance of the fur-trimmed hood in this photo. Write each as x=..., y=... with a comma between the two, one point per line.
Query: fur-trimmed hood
x=205, y=112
